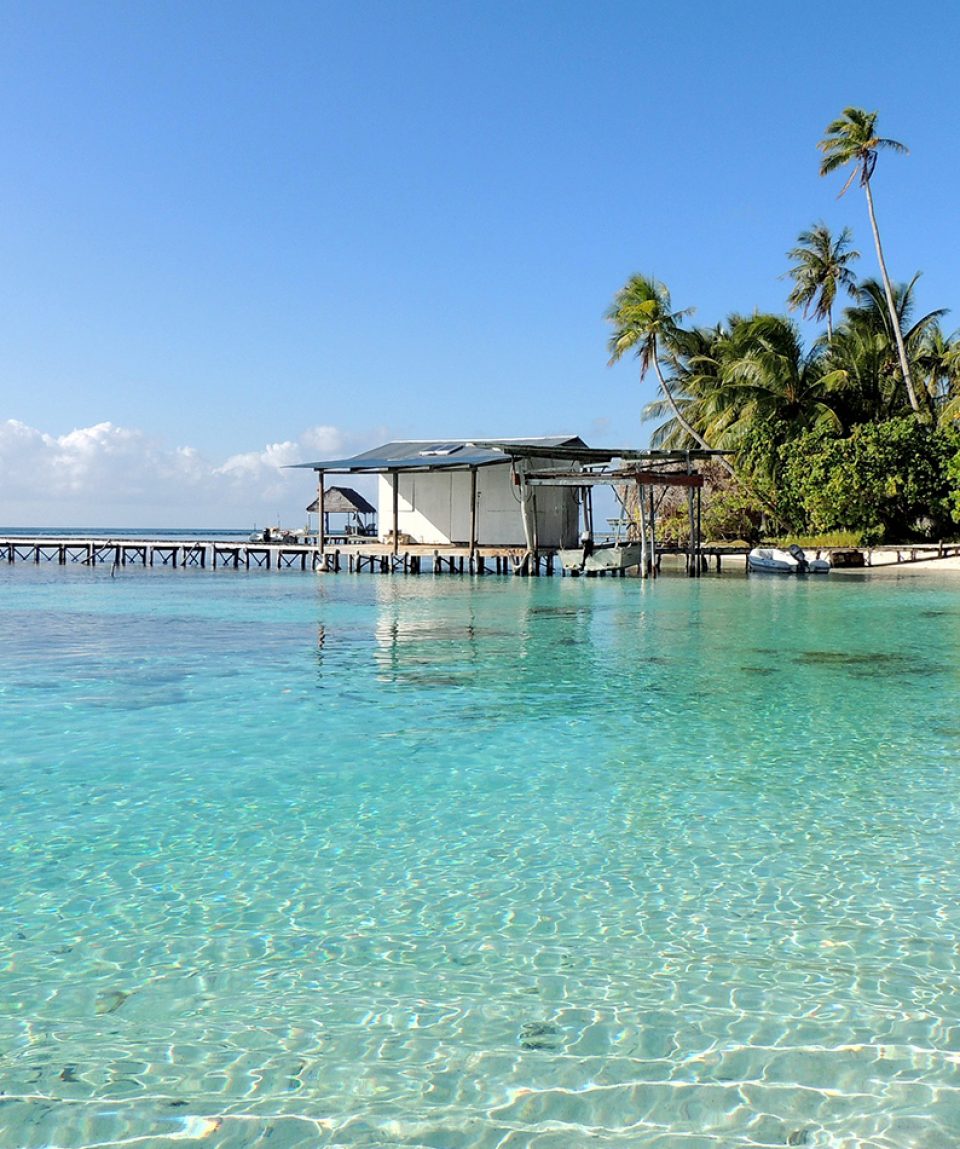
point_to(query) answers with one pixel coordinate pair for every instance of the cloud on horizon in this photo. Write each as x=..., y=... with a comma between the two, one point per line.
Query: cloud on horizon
x=105, y=475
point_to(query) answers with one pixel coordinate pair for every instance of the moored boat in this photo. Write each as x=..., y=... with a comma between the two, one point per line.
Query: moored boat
x=603, y=557
x=791, y=560
x=279, y=536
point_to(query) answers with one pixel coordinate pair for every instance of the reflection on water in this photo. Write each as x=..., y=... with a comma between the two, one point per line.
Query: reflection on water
x=450, y=862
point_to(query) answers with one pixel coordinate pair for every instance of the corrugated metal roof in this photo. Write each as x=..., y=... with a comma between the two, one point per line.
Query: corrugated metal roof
x=448, y=454
x=575, y=450
x=461, y=454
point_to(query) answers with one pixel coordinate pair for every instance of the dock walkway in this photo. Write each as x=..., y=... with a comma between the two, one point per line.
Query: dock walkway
x=373, y=557
x=218, y=554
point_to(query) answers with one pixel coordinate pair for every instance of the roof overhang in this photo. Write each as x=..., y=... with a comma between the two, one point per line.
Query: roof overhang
x=458, y=455
x=466, y=455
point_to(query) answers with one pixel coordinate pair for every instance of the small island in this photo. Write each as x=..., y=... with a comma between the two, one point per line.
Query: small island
x=850, y=440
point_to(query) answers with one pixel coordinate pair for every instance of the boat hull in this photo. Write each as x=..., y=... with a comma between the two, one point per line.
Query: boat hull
x=603, y=558
x=773, y=560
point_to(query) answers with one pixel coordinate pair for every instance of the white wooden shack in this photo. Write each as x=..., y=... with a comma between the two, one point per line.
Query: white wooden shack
x=470, y=493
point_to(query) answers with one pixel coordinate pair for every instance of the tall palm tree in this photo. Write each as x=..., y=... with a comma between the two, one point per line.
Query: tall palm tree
x=853, y=139
x=874, y=332
x=644, y=321
x=820, y=271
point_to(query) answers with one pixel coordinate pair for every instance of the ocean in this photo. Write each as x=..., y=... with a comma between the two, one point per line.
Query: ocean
x=157, y=533
x=478, y=862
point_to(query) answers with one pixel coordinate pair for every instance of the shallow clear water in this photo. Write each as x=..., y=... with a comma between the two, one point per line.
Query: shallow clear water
x=376, y=861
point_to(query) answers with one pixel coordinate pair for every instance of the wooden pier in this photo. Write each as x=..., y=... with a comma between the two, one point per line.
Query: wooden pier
x=218, y=554
x=373, y=557
x=336, y=556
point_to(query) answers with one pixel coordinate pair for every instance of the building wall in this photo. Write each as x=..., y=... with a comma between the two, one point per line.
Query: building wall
x=434, y=508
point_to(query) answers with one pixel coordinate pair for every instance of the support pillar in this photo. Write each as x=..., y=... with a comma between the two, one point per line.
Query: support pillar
x=320, y=515
x=396, y=512
x=473, y=513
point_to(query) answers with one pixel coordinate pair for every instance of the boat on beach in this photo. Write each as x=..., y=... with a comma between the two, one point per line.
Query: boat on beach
x=792, y=560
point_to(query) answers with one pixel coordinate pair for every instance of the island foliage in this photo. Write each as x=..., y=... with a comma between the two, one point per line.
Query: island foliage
x=857, y=433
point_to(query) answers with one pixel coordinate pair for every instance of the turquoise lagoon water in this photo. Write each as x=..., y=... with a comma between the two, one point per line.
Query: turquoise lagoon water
x=452, y=863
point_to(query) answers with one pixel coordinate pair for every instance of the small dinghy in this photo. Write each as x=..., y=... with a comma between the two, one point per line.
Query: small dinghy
x=789, y=561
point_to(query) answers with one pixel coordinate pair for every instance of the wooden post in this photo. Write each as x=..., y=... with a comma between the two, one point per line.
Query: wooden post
x=396, y=511
x=644, y=555
x=320, y=532
x=654, y=564
x=526, y=498
x=691, y=542
x=473, y=512
x=692, y=555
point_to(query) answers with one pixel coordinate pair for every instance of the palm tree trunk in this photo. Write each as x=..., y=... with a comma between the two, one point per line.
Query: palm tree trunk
x=683, y=422
x=891, y=305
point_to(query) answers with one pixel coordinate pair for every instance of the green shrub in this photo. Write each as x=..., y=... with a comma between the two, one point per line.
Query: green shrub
x=887, y=481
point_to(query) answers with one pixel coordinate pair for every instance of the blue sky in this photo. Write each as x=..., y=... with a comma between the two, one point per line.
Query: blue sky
x=238, y=234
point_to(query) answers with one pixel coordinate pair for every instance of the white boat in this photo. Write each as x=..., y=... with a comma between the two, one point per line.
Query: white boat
x=792, y=560
x=603, y=557
x=279, y=536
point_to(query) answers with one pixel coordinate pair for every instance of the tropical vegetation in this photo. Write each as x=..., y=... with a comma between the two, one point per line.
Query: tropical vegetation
x=856, y=431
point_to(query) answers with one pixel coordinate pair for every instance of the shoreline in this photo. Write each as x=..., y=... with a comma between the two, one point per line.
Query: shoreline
x=886, y=560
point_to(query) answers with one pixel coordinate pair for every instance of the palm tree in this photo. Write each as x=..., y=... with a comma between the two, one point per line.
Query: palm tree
x=852, y=139
x=753, y=370
x=866, y=348
x=821, y=270
x=644, y=321
x=860, y=355
x=938, y=358
x=695, y=387
x=774, y=378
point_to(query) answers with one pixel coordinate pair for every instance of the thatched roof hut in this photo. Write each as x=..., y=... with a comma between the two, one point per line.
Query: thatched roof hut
x=342, y=501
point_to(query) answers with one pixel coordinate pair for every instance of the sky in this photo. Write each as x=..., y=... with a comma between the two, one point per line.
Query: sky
x=240, y=235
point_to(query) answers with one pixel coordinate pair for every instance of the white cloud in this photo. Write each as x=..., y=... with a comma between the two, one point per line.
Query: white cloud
x=105, y=475
x=327, y=442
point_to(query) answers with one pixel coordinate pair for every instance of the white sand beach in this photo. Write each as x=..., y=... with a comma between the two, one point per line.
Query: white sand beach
x=889, y=560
